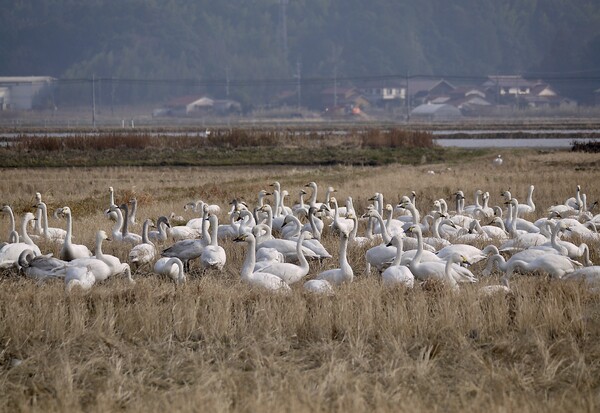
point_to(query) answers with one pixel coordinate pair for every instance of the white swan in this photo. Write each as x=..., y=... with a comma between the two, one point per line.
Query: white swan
x=145, y=252
x=589, y=275
x=529, y=206
x=554, y=265
x=70, y=251
x=312, y=244
x=473, y=254
x=495, y=289
x=82, y=277
x=213, y=255
x=103, y=265
x=397, y=274
x=50, y=233
x=497, y=160
x=258, y=279
x=344, y=274
x=171, y=267
x=288, y=272
x=321, y=287
x=426, y=270
x=11, y=252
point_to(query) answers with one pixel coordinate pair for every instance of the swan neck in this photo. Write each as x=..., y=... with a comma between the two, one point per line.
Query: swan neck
x=301, y=258
x=250, y=260
x=26, y=237
x=399, y=251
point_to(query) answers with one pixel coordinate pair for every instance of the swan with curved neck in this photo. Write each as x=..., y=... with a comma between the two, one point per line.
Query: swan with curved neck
x=39, y=267
x=449, y=271
x=160, y=235
x=552, y=264
x=171, y=267
x=11, y=216
x=288, y=272
x=310, y=243
x=258, y=279
x=10, y=253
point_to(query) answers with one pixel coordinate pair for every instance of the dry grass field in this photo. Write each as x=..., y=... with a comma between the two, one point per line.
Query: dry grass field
x=213, y=344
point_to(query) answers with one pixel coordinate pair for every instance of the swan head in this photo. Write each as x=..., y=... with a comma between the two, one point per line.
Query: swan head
x=374, y=197
x=6, y=209
x=38, y=197
x=459, y=195
x=312, y=185
x=414, y=229
x=101, y=235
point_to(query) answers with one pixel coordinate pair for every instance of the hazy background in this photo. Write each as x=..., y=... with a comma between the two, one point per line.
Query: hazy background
x=218, y=43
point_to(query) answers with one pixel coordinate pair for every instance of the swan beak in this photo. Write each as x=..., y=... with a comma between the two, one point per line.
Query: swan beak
x=240, y=238
x=389, y=244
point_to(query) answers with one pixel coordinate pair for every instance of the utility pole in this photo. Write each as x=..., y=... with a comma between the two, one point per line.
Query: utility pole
x=283, y=24
x=406, y=101
x=94, y=100
x=299, y=82
x=227, y=81
x=335, y=85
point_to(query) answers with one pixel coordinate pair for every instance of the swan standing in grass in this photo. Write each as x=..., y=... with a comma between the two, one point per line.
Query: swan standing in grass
x=160, y=235
x=103, y=265
x=397, y=274
x=426, y=270
x=473, y=254
x=341, y=275
x=312, y=244
x=110, y=213
x=82, y=277
x=70, y=251
x=213, y=255
x=554, y=265
x=127, y=236
x=51, y=234
x=131, y=213
x=497, y=160
x=10, y=253
x=529, y=206
x=261, y=280
x=171, y=267
x=291, y=273
x=145, y=252
x=39, y=267
x=189, y=249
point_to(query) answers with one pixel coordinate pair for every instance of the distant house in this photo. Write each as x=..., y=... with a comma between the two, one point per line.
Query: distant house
x=508, y=85
x=435, y=112
x=343, y=97
x=4, y=98
x=24, y=92
x=423, y=90
x=383, y=92
x=194, y=105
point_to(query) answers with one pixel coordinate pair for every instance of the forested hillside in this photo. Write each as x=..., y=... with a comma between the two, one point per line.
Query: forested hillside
x=262, y=39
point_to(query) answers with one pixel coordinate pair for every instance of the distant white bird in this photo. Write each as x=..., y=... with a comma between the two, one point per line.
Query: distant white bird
x=498, y=160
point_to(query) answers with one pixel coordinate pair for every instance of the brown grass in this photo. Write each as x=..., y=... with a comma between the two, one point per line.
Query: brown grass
x=216, y=345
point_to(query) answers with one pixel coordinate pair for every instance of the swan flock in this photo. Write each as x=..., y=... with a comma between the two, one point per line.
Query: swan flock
x=405, y=246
